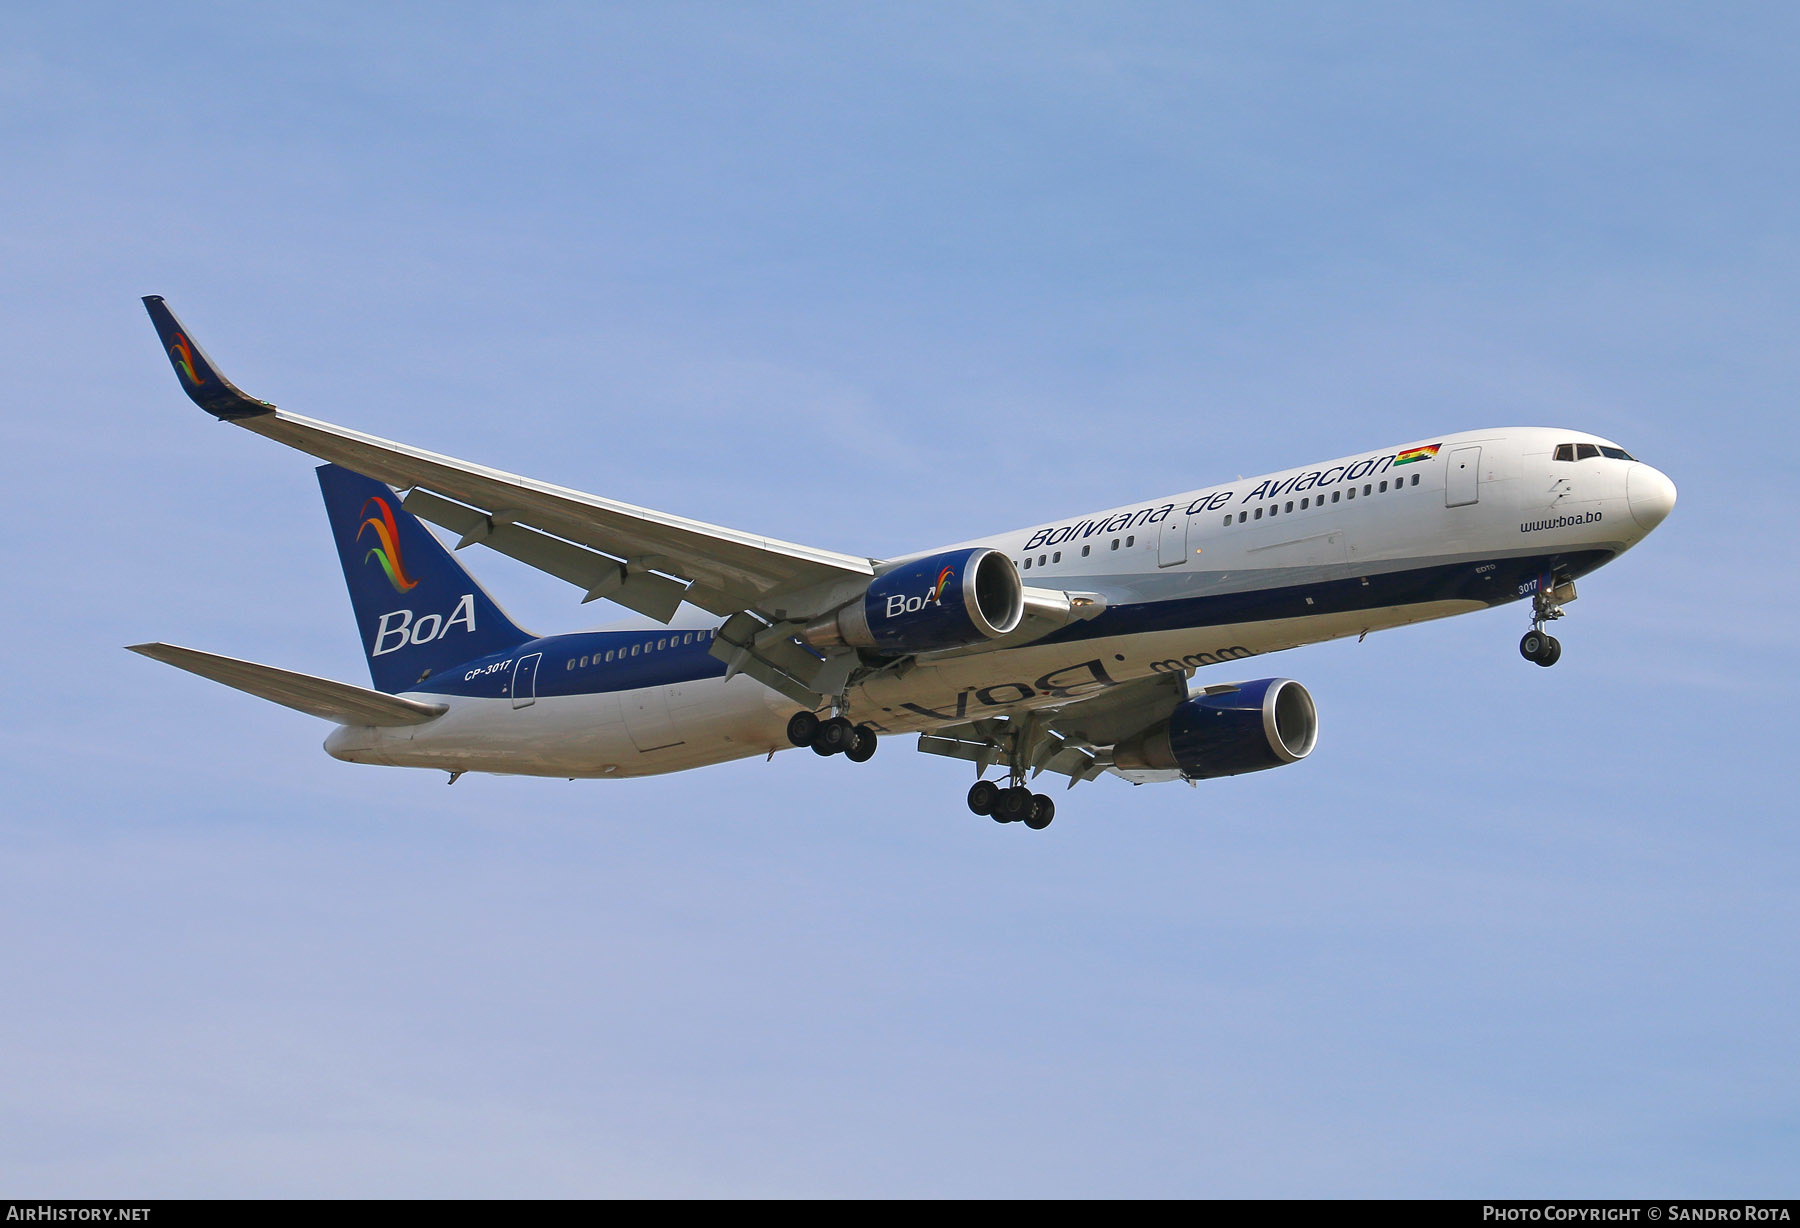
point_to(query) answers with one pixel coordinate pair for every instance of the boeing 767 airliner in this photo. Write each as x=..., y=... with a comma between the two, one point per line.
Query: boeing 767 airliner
x=1065, y=648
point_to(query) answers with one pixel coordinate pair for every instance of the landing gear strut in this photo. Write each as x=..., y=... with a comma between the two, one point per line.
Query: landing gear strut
x=834, y=736
x=1538, y=645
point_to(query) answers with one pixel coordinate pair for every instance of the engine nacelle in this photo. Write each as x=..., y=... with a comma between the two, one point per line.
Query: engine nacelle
x=1258, y=725
x=949, y=600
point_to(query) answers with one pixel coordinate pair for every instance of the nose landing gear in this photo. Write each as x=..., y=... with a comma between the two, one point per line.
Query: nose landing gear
x=1537, y=645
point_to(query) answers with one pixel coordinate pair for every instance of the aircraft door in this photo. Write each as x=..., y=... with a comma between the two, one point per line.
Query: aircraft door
x=647, y=719
x=1462, y=477
x=1173, y=549
x=524, y=680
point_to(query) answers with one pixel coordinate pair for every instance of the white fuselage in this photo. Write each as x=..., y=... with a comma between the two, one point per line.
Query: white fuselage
x=1228, y=572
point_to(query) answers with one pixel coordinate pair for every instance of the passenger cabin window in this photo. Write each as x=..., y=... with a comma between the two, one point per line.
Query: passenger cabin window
x=1334, y=496
x=1259, y=513
x=1289, y=507
x=1227, y=518
x=1415, y=479
x=1130, y=540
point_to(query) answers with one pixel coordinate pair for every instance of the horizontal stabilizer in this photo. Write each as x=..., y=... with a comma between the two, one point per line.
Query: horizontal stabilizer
x=334, y=701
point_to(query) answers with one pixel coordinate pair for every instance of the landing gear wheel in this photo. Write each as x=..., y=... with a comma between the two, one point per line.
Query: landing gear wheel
x=802, y=726
x=983, y=794
x=1014, y=804
x=1540, y=648
x=863, y=748
x=834, y=736
x=1043, y=809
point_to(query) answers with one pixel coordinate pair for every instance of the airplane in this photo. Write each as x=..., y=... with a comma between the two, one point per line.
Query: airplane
x=1068, y=648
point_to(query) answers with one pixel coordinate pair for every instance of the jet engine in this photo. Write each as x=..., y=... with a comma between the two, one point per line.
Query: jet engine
x=951, y=600
x=1227, y=731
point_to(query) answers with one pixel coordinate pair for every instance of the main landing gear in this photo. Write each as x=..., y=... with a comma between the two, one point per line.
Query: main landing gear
x=835, y=736
x=1012, y=804
x=1009, y=803
x=1538, y=645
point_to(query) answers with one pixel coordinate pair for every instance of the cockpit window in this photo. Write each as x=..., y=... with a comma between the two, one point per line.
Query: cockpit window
x=1588, y=451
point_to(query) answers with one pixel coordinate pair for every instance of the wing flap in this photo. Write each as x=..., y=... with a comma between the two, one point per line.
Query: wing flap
x=599, y=575
x=321, y=697
x=727, y=570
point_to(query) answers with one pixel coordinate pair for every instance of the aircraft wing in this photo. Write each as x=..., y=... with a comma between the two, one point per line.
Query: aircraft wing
x=647, y=561
x=1073, y=740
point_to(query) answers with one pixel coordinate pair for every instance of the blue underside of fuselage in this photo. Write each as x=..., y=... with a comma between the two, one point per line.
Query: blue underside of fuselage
x=577, y=664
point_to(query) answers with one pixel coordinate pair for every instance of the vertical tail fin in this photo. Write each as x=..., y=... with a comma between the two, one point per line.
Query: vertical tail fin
x=418, y=611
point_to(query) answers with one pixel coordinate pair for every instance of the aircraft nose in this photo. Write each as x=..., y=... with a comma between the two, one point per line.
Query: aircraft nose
x=1650, y=495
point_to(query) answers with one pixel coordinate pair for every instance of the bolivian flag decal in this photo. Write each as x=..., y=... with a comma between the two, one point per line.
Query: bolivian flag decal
x=1418, y=454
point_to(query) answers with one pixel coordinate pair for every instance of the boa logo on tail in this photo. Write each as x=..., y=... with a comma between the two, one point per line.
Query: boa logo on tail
x=183, y=358
x=937, y=590
x=386, y=551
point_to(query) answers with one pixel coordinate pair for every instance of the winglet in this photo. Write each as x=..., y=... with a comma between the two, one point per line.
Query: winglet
x=199, y=378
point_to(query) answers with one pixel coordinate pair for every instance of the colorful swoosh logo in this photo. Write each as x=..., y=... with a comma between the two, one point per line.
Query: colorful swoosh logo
x=183, y=357
x=387, y=551
x=937, y=589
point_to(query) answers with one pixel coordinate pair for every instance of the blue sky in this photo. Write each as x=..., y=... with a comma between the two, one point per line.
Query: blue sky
x=877, y=278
